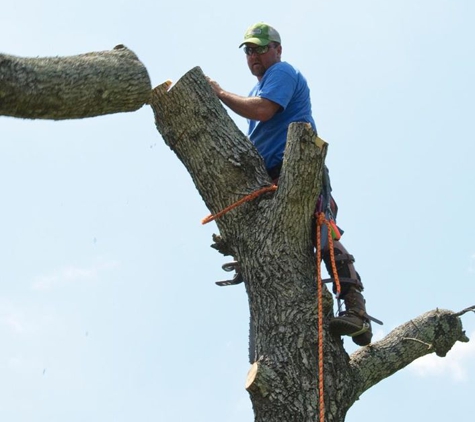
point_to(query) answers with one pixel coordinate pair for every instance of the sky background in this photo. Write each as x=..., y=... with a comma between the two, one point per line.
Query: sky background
x=108, y=307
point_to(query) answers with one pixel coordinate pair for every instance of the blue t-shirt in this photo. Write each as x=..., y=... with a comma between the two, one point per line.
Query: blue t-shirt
x=286, y=86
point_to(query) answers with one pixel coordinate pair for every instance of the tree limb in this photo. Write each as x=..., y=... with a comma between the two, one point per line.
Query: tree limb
x=74, y=87
x=299, y=184
x=464, y=311
x=222, y=162
x=435, y=331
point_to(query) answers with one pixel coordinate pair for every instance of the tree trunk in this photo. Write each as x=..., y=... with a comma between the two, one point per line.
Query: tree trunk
x=278, y=261
x=73, y=87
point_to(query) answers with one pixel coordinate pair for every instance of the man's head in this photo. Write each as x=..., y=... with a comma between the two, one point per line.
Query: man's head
x=262, y=48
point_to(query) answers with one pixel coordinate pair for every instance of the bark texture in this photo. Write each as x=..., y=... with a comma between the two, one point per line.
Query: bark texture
x=271, y=238
x=74, y=87
x=433, y=332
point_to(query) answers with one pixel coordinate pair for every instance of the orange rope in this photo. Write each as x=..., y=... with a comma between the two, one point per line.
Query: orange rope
x=321, y=220
x=320, y=322
x=247, y=198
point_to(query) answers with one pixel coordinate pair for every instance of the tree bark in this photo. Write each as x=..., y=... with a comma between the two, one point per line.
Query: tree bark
x=278, y=261
x=74, y=87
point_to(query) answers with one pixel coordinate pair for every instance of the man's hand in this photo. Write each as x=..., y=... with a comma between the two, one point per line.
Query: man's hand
x=214, y=85
x=254, y=108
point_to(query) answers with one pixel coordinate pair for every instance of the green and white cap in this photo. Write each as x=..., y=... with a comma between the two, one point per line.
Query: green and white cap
x=260, y=34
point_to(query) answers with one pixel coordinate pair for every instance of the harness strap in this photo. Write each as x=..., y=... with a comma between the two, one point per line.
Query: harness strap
x=346, y=281
x=344, y=258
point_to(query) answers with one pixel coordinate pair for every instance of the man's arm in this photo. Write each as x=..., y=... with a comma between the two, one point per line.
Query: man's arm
x=253, y=108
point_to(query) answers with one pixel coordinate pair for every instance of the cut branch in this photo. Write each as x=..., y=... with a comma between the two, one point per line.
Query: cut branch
x=222, y=162
x=73, y=87
x=464, y=311
x=435, y=331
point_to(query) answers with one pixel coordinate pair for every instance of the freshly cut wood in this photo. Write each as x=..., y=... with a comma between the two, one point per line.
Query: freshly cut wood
x=73, y=87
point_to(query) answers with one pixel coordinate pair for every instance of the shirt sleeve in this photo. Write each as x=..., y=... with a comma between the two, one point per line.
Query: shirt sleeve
x=278, y=85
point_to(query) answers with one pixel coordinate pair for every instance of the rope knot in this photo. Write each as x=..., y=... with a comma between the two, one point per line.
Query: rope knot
x=321, y=219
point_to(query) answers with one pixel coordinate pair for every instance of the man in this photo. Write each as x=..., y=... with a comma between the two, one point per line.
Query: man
x=280, y=97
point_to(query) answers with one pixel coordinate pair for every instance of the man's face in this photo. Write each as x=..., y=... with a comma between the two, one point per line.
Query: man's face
x=259, y=63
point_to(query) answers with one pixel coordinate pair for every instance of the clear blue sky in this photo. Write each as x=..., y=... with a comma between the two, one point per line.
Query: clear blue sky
x=108, y=308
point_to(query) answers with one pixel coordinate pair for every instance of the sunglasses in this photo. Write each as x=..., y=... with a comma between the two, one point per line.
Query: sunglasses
x=249, y=51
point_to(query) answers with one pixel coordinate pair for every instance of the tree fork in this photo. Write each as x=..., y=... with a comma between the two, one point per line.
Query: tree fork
x=278, y=263
x=277, y=260
x=73, y=87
